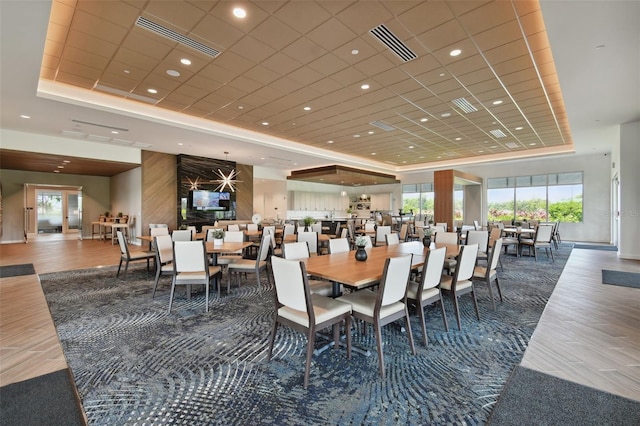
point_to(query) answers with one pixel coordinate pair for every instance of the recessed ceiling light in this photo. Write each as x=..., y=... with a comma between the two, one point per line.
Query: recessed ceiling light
x=61, y=167
x=295, y=164
x=364, y=86
x=180, y=144
x=458, y=139
x=445, y=114
x=265, y=123
x=25, y=116
x=373, y=153
x=498, y=102
x=185, y=61
x=424, y=120
x=262, y=158
x=307, y=108
x=330, y=142
x=66, y=161
x=442, y=74
x=239, y=12
x=126, y=71
x=493, y=146
x=240, y=107
x=481, y=151
x=371, y=132
x=404, y=162
x=115, y=132
x=422, y=156
x=519, y=128
x=439, y=156
x=355, y=51
x=356, y=136
x=173, y=73
x=152, y=91
x=410, y=146
x=533, y=143
x=56, y=171
x=455, y=52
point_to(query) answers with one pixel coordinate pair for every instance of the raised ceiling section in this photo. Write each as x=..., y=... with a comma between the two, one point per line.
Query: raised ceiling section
x=340, y=175
x=296, y=70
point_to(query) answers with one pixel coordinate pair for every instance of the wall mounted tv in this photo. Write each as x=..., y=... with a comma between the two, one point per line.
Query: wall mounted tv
x=210, y=200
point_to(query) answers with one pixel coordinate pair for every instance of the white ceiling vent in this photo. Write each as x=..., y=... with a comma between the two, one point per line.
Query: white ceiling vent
x=382, y=125
x=177, y=37
x=512, y=145
x=389, y=39
x=464, y=105
x=498, y=133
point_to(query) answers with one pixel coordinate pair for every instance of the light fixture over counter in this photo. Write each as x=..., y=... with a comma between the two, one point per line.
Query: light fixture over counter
x=341, y=175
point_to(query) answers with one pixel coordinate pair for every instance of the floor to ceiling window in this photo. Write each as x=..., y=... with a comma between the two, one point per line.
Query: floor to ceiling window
x=418, y=198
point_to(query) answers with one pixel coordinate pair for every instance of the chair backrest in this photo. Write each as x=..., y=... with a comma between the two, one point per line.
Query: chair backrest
x=317, y=227
x=443, y=225
x=339, y=245
x=193, y=230
x=158, y=225
x=205, y=229
x=446, y=238
x=124, y=248
x=234, y=236
x=263, y=250
x=476, y=225
x=495, y=255
x=158, y=231
x=381, y=231
x=270, y=230
x=466, y=262
x=288, y=230
x=295, y=251
x=292, y=288
x=344, y=233
x=233, y=227
x=395, y=278
x=181, y=235
x=435, y=229
x=494, y=236
x=252, y=227
x=190, y=256
x=392, y=239
x=370, y=226
x=478, y=237
x=164, y=248
x=544, y=233
x=367, y=240
x=311, y=238
x=432, y=270
x=403, y=232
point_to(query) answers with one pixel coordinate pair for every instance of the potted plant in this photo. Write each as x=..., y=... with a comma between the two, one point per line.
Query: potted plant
x=218, y=236
x=361, y=242
x=308, y=221
x=426, y=240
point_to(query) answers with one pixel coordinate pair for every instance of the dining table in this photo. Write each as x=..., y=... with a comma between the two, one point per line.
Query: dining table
x=343, y=268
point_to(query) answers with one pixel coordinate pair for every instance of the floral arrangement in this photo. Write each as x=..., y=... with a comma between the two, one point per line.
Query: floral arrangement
x=361, y=241
x=308, y=221
x=217, y=233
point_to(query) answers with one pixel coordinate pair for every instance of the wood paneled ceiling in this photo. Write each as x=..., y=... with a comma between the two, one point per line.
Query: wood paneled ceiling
x=296, y=70
x=340, y=175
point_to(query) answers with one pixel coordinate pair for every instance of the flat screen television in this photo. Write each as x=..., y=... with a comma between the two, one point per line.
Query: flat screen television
x=209, y=200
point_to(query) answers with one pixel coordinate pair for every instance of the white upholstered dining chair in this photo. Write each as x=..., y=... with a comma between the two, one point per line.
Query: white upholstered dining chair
x=460, y=283
x=191, y=266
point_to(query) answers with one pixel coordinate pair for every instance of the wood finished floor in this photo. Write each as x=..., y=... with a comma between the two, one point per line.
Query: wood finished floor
x=589, y=332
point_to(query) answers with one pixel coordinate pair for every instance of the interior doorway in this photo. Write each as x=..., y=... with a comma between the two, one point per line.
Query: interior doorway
x=53, y=211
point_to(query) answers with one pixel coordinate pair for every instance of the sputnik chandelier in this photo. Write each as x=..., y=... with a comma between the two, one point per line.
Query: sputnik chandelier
x=226, y=180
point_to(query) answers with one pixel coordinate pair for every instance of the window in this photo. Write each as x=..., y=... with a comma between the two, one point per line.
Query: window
x=554, y=197
x=458, y=201
x=419, y=198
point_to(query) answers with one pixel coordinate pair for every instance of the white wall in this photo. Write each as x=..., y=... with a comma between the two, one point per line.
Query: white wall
x=126, y=197
x=596, y=197
x=629, y=231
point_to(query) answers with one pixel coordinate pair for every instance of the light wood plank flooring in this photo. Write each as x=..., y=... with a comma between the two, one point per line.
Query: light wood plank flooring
x=589, y=333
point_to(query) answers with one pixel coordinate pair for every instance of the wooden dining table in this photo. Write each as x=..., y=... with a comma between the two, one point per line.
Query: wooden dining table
x=343, y=268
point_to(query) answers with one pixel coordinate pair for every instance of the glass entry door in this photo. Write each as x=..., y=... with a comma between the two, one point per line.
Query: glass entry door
x=72, y=222
x=58, y=211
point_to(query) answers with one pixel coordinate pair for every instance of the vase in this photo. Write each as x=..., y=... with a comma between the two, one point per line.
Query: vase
x=361, y=254
x=426, y=241
x=217, y=241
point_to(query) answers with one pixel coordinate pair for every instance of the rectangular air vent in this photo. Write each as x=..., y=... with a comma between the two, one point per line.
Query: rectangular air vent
x=512, y=145
x=498, y=133
x=177, y=37
x=389, y=39
x=382, y=125
x=464, y=105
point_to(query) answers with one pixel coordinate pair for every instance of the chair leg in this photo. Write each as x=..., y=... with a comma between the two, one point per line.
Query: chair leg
x=499, y=290
x=378, y=332
x=409, y=332
x=126, y=267
x=173, y=289
x=444, y=315
x=310, y=343
x=475, y=303
x=119, y=266
x=420, y=309
x=272, y=338
x=493, y=300
x=347, y=328
x=455, y=306
x=155, y=285
x=206, y=296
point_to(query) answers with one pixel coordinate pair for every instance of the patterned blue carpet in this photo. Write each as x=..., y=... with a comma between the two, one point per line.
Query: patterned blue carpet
x=136, y=364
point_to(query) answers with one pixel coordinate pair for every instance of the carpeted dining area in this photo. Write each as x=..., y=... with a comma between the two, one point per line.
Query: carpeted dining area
x=134, y=363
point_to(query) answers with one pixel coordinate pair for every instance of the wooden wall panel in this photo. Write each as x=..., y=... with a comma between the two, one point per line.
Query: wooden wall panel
x=443, y=197
x=159, y=189
x=244, y=192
